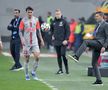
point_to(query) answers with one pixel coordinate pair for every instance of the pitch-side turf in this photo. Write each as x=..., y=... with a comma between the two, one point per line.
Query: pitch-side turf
x=76, y=80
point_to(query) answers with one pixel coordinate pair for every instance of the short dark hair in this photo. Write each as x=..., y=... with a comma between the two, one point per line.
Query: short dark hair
x=100, y=13
x=29, y=8
x=17, y=10
x=58, y=10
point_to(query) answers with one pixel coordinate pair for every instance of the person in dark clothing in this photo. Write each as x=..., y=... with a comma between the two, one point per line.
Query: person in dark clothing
x=106, y=17
x=99, y=44
x=60, y=34
x=15, y=40
x=48, y=33
x=40, y=22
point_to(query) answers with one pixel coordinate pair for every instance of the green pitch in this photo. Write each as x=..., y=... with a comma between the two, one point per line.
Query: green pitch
x=76, y=80
x=10, y=80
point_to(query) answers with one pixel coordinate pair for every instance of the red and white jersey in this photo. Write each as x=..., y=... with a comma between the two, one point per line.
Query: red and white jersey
x=30, y=26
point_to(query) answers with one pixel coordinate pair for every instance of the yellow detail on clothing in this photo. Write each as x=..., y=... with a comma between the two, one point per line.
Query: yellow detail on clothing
x=78, y=29
x=49, y=20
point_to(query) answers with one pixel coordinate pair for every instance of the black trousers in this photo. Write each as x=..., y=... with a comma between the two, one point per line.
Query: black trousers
x=15, y=51
x=61, y=55
x=96, y=46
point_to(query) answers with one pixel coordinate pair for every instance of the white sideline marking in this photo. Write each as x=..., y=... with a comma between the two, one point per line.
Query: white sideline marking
x=41, y=55
x=49, y=85
x=56, y=80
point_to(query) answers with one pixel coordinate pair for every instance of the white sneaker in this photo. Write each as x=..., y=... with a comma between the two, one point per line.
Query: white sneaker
x=27, y=77
x=34, y=76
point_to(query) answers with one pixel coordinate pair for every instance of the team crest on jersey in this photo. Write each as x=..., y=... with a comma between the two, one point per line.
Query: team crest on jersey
x=61, y=24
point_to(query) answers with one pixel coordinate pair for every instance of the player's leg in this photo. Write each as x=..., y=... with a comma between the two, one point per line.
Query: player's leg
x=17, y=55
x=95, y=56
x=12, y=51
x=36, y=53
x=63, y=53
x=26, y=66
x=26, y=53
x=36, y=61
x=86, y=43
x=59, y=59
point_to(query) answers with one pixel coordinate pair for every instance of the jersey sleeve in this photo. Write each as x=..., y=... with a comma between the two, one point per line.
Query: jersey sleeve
x=21, y=26
x=37, y=25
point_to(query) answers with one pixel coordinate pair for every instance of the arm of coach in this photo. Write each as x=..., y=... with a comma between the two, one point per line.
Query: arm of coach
x=106, y=35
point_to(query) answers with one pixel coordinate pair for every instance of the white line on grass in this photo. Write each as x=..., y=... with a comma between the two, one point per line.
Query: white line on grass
x=43, y=55
x=66, y=80
x=49, y=85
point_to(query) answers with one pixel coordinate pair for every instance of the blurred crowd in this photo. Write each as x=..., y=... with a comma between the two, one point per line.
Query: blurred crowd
x=77, y=27
x=76, y=32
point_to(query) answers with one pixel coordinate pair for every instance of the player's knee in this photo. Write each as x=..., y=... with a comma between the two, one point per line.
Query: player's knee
x=26, y=58
x=36, y=55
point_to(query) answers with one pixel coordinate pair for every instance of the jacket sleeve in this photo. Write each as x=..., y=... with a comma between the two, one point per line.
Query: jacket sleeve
x=10, y=26
x=106, y=34
x=67, y=30
x=52, y=28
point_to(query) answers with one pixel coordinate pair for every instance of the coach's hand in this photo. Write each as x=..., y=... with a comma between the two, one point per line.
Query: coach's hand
x=65, y=42
x=102, y=50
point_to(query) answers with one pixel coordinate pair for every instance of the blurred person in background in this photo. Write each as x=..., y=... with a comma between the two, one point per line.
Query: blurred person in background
x=40, y=22
x=47, y=35
x=15, y=42
x=78, y=34
x=73, y=24
x=60, y=35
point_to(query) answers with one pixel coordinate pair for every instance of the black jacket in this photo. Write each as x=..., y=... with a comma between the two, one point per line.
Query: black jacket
x=14, y=27
x=102, y=34
x=60, y=30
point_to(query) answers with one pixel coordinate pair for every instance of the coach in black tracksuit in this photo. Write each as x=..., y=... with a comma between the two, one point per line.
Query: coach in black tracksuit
x=60, y=34
x=15, y=40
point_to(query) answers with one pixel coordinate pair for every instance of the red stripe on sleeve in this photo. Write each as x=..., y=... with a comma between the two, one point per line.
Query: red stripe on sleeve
x=37, y=25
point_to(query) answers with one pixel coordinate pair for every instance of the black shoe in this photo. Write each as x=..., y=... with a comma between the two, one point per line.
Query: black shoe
x=13, y=67
x=18, y=68
x=74, y=57
x=98, y=82
x=59, y=72
x=67, y=72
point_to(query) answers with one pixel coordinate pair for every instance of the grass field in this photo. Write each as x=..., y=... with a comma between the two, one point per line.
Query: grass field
x=76, y=80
